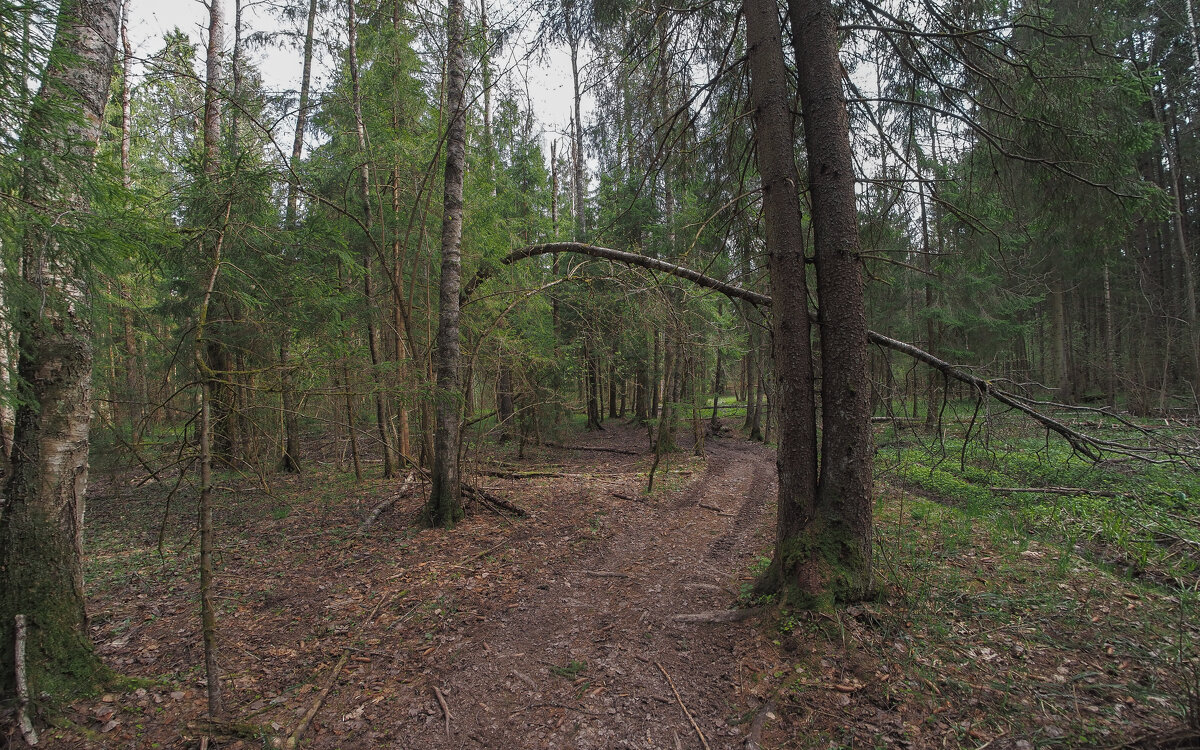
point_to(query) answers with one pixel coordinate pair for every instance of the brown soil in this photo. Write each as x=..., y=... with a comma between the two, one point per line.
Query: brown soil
x=560, y=630
x=551, y=631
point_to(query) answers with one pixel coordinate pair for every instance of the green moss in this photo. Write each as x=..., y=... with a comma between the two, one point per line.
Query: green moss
x=821, y=568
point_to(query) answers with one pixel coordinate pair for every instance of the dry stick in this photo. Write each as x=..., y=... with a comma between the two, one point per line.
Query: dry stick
x=441, y=699
x=374, y=514
x=1057, y=491
x=294, y=740
x=27, y=730
x=686, y=712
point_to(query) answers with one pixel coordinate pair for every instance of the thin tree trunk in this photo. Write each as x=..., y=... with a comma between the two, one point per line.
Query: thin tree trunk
x=654, y=378
x=1110, y=344
x=715, y=422
x=205, y=351
x=578, y=188
x=504, y=400
x=290, y=461
x=612, y=388
x=382, y=415
x=445, y=504
x=135, y=396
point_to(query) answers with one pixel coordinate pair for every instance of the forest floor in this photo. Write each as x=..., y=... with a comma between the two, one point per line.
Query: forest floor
x=562, y=630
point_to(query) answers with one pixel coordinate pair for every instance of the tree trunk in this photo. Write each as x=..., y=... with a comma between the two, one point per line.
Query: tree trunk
x=1060, y=342
x=578, y=190
x=445, y=503
x=382, y=412
x=212, y=360
x=41, y=527
x=290, y=460
x=612, y=388
x=836, y=546
x=655, y=374
x=1110, y=344
x=504, y=399
x=715, y=422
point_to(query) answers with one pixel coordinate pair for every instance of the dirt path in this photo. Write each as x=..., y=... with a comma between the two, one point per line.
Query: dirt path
x=541, y=632
x=570, y=657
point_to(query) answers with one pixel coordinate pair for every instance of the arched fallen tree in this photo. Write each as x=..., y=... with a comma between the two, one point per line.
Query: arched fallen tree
x=1157, y=447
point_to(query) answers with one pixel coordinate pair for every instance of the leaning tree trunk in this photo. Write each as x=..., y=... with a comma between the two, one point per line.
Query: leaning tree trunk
x=790, y=571
x=445, y=503
x=41, y=529
x=836, y=546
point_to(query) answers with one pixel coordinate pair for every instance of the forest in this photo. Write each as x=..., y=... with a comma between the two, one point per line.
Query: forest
x=830, y=380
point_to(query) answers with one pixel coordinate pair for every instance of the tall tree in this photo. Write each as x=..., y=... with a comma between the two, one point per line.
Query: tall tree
x=291, y=410
x=835, y=549
x=783, y=222
x=444, y=507
x=212, y=359
x=41, y=528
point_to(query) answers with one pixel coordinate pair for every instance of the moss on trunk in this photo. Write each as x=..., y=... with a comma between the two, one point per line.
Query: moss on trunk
x=40, y=581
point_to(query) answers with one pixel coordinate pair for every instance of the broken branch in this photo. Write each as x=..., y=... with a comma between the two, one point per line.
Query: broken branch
x=686, y=712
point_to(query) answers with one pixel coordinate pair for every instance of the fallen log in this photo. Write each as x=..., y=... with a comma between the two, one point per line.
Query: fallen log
x=719, y=615
x=1057, y=491
x=1087, y=445
x=378, y=509
x=595, y=448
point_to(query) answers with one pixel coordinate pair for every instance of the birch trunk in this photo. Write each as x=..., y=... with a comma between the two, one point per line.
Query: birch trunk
x=41, y=527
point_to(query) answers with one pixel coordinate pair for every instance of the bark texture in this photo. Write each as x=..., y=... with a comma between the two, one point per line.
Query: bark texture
x=41, y=529
x=838, y=545
x=797, y=455
x=445, y=503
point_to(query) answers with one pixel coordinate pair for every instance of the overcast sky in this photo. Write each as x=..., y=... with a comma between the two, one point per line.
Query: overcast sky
x=549, y=83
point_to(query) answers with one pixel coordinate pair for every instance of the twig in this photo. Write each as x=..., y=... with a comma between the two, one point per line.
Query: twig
x=27, y=730
x=441, y=699
x=477, y=555
x=294, y=740
x=595, y=448
x=686, y=712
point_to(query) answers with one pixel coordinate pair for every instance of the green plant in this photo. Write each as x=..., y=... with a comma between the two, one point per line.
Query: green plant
x=571, y=670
